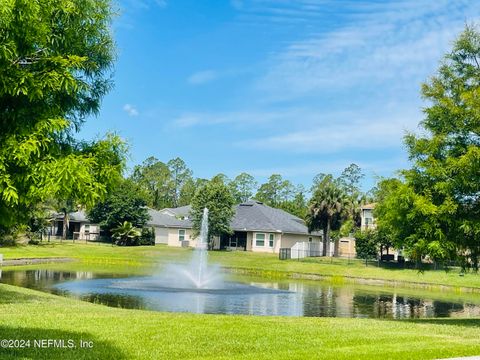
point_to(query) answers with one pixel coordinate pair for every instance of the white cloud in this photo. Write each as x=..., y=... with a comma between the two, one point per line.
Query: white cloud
x=370, y=168
x=237, y=118
x=161, y=3
x=130, y=110
x=399, y=43
x=202, y=77
x=333, y=133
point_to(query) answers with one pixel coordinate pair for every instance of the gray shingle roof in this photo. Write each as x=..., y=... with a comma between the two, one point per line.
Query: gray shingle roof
x=159, y=219
x=254, y=215
x=181, y=211
x=249, y=216
x=79, y=216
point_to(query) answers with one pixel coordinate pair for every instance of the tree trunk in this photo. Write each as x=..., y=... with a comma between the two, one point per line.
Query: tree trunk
x=328, y=238
x=65, y=225
x=324, y=248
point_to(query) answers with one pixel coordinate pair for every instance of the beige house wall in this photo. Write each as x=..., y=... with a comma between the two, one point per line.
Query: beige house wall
x=280, y=241
x=174, y=237
x=170, y=237
x=288, y=240
x=92, y=234
x=346, y=247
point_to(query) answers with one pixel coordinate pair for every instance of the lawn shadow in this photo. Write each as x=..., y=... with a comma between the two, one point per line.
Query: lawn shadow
x=63, y=345
x=10, y=296
x=448, y=321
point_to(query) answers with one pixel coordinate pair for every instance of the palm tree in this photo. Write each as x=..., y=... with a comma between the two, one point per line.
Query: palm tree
x=125, y=233
x=326, y=210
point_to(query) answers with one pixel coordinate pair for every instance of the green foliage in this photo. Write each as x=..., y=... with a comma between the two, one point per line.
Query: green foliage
x=51, y=77
x=435, y=210
x=147, y=236
x=126, y=202
x=327, y=210
x=275, y=191
x=126, y=234
x=217, y=198
x=367, y=244
x=166, y=185
x=243, y=187
x=180, y=174
x=153, y=176
x=280, y=193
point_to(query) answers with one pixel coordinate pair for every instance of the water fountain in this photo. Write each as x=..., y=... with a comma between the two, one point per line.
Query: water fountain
x=195, y=286
x=198, y=273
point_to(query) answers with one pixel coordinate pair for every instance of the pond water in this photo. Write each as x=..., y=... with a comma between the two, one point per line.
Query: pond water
x=248, y=296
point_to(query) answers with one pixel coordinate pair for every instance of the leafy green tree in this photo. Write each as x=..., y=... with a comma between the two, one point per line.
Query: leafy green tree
x=155, y=178
x=367, y=244
x=52, y=76
x=275, y=191
x=179, y=174
x=435, y=210
x=217, y=198
x=125, y=202
x=126, y=234
x=243, y=187
x=326, y=210
x=188, y=190
x=349, y=180
x=298, y=204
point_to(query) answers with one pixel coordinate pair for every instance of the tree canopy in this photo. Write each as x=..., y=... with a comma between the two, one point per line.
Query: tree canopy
x=52, y=76
x=217, y=198
x=327, y=209
x=125, y=203
x=434, y=210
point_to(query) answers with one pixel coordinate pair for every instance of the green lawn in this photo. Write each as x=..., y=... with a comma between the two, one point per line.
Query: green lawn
x=135, y=334
x=143, y=259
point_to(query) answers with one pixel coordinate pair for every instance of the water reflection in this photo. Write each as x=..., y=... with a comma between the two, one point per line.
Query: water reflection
x=285, y=298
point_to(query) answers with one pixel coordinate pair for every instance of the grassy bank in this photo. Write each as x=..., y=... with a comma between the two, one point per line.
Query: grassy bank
x=133, y=334
x=101, y=257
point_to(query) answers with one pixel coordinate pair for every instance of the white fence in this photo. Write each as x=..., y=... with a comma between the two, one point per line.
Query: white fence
x=306, y=249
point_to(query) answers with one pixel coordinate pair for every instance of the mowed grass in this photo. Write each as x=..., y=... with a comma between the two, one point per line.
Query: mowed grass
x=134, y=334
x=143, y=259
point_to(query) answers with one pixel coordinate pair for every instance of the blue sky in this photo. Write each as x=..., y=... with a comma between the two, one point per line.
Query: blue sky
x=275, y=86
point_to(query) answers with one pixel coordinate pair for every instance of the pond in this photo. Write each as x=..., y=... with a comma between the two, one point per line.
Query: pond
x=249, y=296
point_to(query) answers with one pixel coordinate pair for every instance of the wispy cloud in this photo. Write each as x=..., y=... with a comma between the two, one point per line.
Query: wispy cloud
x=143, y=4
x=236, y=118
x=202, y=77
x=334, y=133
x=396, y=42
x=130, y=110
x=336, y=166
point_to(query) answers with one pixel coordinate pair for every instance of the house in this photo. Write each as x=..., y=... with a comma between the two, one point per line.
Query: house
x=346, y=245
x=256, y=227
x=368, y=221
x=79, y=227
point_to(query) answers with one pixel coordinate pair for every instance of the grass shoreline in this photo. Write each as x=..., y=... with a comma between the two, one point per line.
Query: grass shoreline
x=139, y=334
x=145, y=259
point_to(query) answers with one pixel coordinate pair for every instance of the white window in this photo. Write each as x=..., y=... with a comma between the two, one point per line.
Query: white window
x=310, y=239
x=271, y=238
x=259, y=239
x=181, y=234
